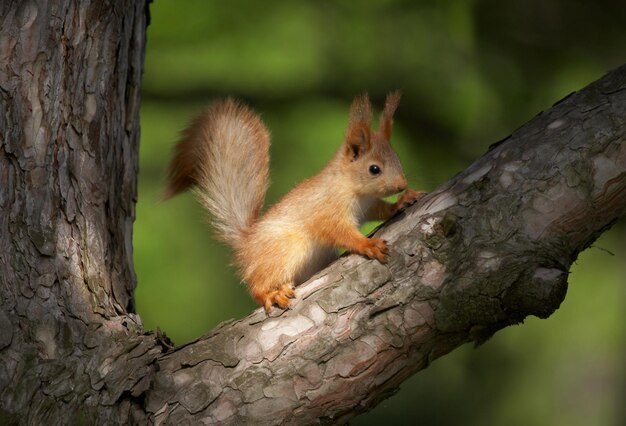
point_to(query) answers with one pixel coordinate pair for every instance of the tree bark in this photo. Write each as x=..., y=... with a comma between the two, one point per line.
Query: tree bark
x=485, y=250
x=71, y=348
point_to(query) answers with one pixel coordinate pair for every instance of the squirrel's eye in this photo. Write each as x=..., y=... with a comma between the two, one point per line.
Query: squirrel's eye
x=374, y=169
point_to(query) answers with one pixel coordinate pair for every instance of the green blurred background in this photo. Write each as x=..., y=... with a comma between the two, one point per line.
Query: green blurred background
x=471, y=73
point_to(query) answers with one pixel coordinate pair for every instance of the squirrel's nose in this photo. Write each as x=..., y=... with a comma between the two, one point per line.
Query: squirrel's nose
x=401, y=185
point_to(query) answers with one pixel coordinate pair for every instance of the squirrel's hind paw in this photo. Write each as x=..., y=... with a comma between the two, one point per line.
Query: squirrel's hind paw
x=280, y=297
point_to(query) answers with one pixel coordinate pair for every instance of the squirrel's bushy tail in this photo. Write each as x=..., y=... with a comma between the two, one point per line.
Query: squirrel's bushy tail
x=224, y=156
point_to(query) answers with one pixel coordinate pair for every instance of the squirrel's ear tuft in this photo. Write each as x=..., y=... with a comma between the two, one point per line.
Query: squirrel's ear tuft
x=361, y=111
x=386, y=117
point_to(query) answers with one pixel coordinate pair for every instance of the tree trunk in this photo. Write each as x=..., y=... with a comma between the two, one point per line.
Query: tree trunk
x=485, y=250
x=71, y=348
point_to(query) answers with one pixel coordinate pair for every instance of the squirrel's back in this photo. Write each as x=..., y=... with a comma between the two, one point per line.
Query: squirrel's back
x=224, y=156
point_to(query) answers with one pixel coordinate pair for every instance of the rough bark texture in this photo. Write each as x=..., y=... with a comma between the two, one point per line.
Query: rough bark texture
x=70, y=74
x=485, y=250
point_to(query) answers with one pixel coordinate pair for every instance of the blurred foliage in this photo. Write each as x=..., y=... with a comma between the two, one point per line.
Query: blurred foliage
x=471, y=73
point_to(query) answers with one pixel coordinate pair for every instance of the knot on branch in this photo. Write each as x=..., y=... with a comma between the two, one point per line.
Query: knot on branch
x=539, y=293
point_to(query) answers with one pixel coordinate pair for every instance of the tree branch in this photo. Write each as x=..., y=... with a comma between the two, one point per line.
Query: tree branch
x=487, y=249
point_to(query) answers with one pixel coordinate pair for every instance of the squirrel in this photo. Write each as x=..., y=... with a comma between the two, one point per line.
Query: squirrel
x=223, y=156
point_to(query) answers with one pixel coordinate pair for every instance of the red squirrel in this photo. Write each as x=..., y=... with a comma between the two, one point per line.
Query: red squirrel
x=224, y=157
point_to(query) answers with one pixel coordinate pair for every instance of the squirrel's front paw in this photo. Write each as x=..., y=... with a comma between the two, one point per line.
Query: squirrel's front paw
x=376, y=249
x=410, y=196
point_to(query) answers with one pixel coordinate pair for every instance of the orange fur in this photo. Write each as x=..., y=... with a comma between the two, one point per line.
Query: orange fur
x=224, y=156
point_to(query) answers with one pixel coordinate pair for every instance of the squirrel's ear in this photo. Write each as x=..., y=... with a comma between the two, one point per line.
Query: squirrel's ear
x=386, y=117
x=357, y=141
x=358, y=133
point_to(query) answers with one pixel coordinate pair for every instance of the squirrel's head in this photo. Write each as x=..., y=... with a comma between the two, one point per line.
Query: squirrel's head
x=369, y=159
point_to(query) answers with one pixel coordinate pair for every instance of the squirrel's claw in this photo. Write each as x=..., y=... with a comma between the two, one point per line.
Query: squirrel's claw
x=280, y=297
x=377, y=249
x=409, y=197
